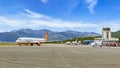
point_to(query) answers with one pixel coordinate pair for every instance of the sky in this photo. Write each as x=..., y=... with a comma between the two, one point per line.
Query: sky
x=60, y=15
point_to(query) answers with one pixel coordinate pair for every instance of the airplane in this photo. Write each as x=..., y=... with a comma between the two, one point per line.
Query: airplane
x=31, y=41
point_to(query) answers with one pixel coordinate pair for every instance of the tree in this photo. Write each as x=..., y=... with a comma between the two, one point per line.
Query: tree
x=119, y=39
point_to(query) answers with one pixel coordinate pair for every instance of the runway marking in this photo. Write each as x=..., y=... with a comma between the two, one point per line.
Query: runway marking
x=66, y=63
x=77, y=51
x=18, y=62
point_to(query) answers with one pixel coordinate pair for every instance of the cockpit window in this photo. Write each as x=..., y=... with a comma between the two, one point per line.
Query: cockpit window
x=19, y=39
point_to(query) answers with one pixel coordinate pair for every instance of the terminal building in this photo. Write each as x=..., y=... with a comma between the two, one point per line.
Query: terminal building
x=106, y=35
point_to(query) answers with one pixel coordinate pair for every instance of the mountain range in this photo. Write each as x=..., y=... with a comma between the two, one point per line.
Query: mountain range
x=53, y=36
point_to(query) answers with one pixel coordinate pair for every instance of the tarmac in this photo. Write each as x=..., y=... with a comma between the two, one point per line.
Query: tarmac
x=59, y=56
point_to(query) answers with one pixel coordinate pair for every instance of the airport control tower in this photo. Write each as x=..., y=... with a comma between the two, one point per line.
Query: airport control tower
x=106, y=33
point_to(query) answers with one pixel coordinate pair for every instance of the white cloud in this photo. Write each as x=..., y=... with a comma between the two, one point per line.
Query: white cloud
x=44, y=1
x=92, y=4
x=73, y=4
x=113, y=24
x=32, y=14
x=35, y=20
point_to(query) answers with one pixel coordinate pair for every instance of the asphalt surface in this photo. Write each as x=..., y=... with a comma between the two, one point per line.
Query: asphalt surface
x=59, y=56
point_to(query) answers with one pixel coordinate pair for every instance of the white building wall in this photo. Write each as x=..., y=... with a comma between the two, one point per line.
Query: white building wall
x=106, y=33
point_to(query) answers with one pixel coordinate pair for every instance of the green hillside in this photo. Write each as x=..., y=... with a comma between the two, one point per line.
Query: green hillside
x=116, y=34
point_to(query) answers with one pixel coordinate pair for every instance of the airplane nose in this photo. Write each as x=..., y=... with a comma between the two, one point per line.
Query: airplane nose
x=16, y=40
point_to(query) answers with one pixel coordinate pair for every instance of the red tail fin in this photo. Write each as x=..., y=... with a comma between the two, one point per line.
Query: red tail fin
x=46, y=37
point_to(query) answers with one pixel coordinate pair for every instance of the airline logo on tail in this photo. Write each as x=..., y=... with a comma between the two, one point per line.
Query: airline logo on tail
x=46, y=37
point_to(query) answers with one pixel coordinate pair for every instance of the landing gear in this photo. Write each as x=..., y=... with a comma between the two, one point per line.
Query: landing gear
x=31, y=44
x=39, y=43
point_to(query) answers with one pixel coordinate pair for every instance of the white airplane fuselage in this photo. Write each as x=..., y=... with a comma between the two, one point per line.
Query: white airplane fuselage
x=25, y=39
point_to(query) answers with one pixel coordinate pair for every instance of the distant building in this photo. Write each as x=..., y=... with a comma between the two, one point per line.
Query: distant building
x=106, y=35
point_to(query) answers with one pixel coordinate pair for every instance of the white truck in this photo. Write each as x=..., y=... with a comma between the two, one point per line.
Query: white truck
x=97, y=43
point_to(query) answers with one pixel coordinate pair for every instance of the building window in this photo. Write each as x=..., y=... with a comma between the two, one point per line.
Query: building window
x=107, y=34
